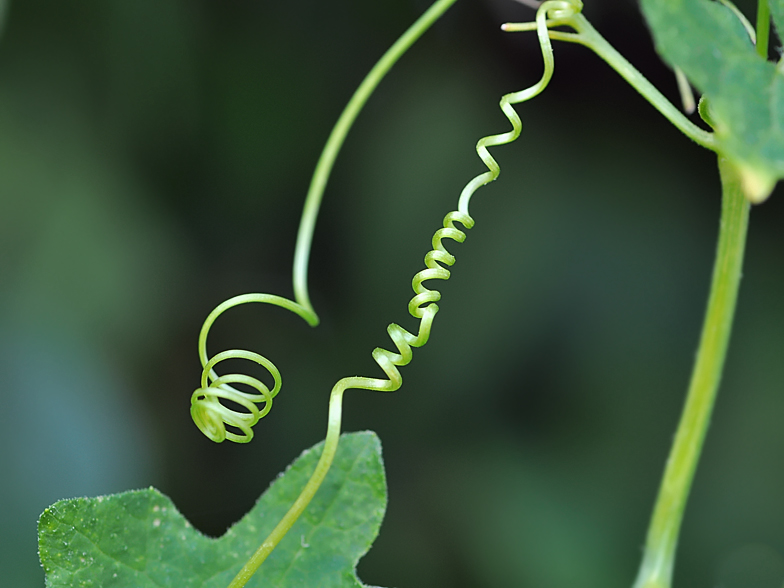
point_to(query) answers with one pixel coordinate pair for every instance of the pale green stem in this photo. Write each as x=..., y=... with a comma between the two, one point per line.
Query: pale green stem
x=763, y=28
x=659, y=556
x=421, y=306
x=288, y=520
x=684, y=89
x=324, y=166
x=320, y=472
x=590, y=37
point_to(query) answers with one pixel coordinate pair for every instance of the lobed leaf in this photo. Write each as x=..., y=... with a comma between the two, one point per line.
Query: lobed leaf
x=138, y=538
x=745, y=91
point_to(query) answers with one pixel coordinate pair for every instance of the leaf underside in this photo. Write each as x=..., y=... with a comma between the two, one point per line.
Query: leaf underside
x=138, y=538
x=744, y=90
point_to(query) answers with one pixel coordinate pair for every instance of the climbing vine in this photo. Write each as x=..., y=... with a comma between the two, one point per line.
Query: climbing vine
x=228, y=406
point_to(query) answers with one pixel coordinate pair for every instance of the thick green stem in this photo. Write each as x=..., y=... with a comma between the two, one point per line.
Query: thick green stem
x=659, y=556
x=763, y=28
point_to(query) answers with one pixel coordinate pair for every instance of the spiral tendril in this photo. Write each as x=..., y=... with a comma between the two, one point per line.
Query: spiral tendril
x=208, y=412
x=212, y=416
x=423, y=305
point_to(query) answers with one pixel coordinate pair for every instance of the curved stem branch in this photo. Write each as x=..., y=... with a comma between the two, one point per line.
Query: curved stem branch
x=590, y=37
x=659, y=555
x=324, y=166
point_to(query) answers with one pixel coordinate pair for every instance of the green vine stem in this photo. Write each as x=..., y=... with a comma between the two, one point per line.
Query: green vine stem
x=659, y=555
x=763, y=28
x=658, y=560
x=335, y=141
x=209, y=414
x=212, y=416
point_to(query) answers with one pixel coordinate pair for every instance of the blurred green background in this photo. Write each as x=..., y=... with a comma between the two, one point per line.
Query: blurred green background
x=154, y=157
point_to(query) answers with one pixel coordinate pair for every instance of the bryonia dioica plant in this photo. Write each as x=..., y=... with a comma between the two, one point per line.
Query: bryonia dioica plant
x=138, y=538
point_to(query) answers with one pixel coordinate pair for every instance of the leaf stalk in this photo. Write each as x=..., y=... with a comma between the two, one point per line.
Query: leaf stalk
x=763, y=28
x=590, y=37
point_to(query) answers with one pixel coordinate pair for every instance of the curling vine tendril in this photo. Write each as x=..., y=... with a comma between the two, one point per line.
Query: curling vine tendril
x=212, y=415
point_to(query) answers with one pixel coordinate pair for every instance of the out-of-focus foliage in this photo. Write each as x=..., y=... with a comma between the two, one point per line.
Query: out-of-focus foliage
x=153, y=160
x=3, y=8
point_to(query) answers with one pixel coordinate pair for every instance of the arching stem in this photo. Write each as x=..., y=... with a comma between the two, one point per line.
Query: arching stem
x=335, y=141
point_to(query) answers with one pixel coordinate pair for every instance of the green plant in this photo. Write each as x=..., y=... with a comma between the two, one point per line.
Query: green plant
x=749, y=170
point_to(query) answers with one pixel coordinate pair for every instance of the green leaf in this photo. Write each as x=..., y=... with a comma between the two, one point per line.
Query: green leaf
x=777, y=12
x=745, y=91
x=138, y=539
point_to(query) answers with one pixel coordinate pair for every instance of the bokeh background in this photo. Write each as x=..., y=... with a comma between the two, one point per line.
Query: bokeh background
x=154, y=156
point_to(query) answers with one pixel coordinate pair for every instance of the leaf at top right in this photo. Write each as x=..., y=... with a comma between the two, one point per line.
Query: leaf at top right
x=745, y=91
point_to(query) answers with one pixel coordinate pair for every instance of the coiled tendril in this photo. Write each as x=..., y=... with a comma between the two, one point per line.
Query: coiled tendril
x=422, y=305
x=212, y=416
x=207, y=410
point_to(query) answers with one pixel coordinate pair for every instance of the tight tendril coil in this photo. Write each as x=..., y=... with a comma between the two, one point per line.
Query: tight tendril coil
x=423, y=305
x=208, y=412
